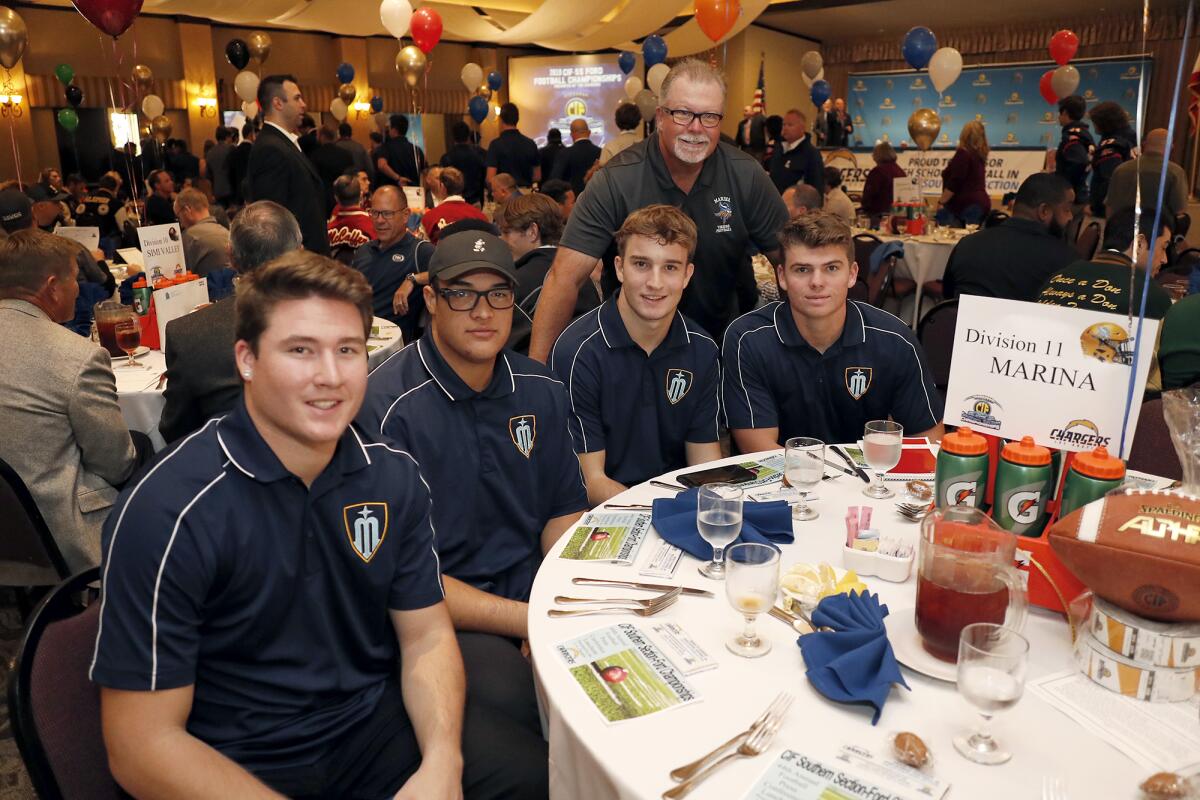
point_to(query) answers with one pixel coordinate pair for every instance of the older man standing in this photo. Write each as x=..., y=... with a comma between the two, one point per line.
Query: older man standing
x=205, y=241
x=723, y=190
x=394, y=262
x=798, y=158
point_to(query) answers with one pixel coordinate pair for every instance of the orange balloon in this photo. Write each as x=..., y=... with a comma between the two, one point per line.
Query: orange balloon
x=716, y=17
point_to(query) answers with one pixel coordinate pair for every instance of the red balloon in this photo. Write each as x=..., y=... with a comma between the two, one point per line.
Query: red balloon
x=716, y=17
x=111, y=16
x=1063, y=46
x=426, y=28
x=1047, y=90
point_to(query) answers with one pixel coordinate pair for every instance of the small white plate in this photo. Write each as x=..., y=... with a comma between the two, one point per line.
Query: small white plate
x=141, y=351
x=901, y=627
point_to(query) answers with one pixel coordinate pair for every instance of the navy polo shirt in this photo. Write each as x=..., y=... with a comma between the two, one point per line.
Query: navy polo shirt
x=499, y=461
x=386, y=268
x=773, y=378
x=639, y=409
x=515, y=153
x=224, y=572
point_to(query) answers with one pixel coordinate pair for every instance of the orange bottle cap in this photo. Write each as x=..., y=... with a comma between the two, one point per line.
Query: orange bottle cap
x=1026, y=452
x=1099, y=464
x=964, y=442
x=140, y=283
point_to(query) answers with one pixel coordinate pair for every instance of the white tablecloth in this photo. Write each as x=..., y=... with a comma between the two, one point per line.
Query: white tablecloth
x=141, y=397
x=592, y=759
x=925, y=257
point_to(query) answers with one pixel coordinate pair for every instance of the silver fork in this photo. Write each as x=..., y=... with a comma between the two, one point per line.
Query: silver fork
x=562, y=599
x=755, y=745
x=689, y=770
x=1053, y=789
x=662, y=602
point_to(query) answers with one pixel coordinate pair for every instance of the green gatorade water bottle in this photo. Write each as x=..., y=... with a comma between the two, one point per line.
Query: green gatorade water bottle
x=1090, y=477
x=962, y=469
x=1024, y=481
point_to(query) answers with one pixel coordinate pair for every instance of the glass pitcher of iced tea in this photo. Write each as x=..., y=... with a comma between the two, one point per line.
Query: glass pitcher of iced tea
x=965, y=574
x=108, y=314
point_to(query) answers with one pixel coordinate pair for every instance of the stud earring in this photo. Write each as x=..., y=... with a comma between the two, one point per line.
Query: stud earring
x=246, y=374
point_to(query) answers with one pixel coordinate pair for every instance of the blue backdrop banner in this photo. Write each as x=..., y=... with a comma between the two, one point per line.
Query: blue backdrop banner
x=1004, y=98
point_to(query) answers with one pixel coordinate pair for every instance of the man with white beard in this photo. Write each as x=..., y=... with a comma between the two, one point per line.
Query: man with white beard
x=723, y=190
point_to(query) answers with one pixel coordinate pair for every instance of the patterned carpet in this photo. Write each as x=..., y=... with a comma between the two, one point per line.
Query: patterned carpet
x=14, y=782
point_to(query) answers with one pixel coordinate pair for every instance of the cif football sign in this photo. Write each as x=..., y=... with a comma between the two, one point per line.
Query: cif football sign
x=1058, y=374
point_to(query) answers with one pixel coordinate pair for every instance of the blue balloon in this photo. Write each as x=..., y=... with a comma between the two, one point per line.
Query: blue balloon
x=495, y=80
x=919, y=46
x=654, y=50
x=820, y=92
x=626, y=61
x=478, y=109
x=345, y=72
x=377, y=104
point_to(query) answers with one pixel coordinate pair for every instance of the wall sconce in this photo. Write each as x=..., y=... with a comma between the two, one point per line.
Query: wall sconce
x=10, y=105
x=207, y=106
x=361, y=109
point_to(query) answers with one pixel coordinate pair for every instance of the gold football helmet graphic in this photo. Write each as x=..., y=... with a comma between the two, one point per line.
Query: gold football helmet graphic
x=1108, y=342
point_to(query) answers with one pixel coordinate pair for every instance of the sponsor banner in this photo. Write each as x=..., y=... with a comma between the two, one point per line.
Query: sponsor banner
x=1058, y=374
x=1006, y=169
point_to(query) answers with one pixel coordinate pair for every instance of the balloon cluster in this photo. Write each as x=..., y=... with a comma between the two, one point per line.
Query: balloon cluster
x=1063, y=81
x=473, y=78
x=69, y=117
x=346, y=91
x=654, y=53
x=424, y=26
x=239, y=53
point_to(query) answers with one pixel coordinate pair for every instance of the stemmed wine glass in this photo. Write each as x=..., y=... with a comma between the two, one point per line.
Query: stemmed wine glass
x=751, y=585
x=803, y=469
x=882, y=442
x=719, y=521
x=129, y=335
x=991, y=676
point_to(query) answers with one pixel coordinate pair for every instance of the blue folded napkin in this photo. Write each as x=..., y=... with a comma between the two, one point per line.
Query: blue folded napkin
x=854, y=663
x=675, y=520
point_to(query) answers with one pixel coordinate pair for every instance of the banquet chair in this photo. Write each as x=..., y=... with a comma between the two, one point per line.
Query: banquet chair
x=1153, y=450
x=935, y=332
x=1088, y=240
x=994, y=218
x=53, y=706
x=29, y=557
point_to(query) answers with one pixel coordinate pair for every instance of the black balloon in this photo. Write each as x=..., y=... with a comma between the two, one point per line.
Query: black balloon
x=237, y=53
x=74, y=95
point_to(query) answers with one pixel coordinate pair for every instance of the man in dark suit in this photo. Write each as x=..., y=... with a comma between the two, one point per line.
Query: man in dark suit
x=467, y=158
x=202, y=378
x=331, y=162
x=573, y=164
x=278, y=170
x=751, y=132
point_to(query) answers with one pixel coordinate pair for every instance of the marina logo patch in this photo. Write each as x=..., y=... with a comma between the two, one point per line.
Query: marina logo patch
x=858, y=381
x=366, y=527
x=523, y=430
x=679, y=383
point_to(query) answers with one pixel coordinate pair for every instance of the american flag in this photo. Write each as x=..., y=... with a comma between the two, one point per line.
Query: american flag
x=760, y=91
x=1193, y=89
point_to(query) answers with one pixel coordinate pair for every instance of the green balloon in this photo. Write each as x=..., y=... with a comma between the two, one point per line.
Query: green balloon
x=64, y=73
x=68, y=119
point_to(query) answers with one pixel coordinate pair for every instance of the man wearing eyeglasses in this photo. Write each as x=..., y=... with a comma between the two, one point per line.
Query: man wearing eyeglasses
x=723, y=190
x=489, y=427
x=392, y=262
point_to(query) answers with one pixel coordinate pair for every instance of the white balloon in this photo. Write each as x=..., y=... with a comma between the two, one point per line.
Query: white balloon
x=944, y=68
x=810, y=81
x=647, y=103
x=338, y=109
x=396, y=16
x=152, y=106
x=472, y=76
x=250, y=109
x=246, y=85
x=1065, y=81
x=381, y=120
x=811, y=64
x=633, y=85
x=656, y=76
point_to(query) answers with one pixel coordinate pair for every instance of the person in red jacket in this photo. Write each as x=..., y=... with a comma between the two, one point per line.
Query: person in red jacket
x=350, y=226
x=445, y=186
x=877, y=191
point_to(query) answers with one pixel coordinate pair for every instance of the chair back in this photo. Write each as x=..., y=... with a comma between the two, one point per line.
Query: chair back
x=935, y=332
x=1088, y=241
x=29, y=555
x=879, y=282
x=343, y=254
x=864, y=246
x=1153, y=450
x=53, y=706
x=220, y=283
x=994, y=218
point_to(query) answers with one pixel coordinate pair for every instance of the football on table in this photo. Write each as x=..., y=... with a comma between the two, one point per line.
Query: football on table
x=1139, y=550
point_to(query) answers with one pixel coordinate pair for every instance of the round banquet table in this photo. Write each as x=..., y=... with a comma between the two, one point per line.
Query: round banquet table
x=590, y=758
x=925, y=257
x=141, y=395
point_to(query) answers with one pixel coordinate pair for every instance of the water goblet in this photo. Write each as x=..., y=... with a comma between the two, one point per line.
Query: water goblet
x=992, y=660
x=719, y=521
x=803, y=469
x=751, y=584
x=882, y=442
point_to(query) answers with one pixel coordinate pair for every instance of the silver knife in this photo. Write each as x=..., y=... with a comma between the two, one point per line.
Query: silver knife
x=840, y=468
x=653, y=587
x=850, y=461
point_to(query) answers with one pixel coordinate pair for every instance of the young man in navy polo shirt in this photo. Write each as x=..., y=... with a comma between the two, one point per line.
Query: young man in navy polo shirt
x=489, y=427
x=259, y=577
x=643, y=379
x=818, y=364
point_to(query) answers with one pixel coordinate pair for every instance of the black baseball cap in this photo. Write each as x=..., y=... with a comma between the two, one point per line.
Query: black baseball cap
x=468, y=251
x=41, y=193
x=16, y=210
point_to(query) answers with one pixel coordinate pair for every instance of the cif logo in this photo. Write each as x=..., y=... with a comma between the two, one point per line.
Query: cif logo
x=1024, y=507
x=961, y=493
x=679, y=383
x=523, y=430
x=576, y=107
